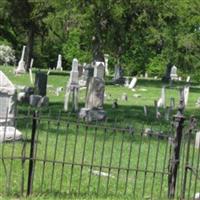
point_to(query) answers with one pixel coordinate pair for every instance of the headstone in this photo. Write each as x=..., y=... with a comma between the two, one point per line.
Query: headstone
x=59, y=63
x=186, y=94
x=197, y=140
x=158, y=115
x=38, y=101
x=59, y=90
x=106, y=64
x=9, y=133
x=115, y=104
x=133, y=82
x=30, y=71
x=95, y=96
x=188, y=79
x=173, y=73
x=72, y=88
x=126, y=82
x=124, y=97
x=21, y=65
x=146, y=75
x=118, y=76
x=8, y=99
x=40, y=83
x=99, y=71
x=161, y=101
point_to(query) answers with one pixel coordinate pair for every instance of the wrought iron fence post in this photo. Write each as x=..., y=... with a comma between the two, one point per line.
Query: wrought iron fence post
x=192, y=126
x=31, y=157
x=175, y=157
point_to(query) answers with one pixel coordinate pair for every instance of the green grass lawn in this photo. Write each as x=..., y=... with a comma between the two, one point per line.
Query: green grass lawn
x=112, y=149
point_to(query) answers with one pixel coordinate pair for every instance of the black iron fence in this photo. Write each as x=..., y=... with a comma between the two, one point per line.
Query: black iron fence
x=64, y=157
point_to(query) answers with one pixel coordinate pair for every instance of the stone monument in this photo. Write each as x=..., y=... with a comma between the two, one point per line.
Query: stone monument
x=95, y=96
x=59, y=63
x=133, y=83
x=173, y=73
x=41, y=83
x=8, y=98
x=161, y=101
x=21, y=65
x=118, y=76
x=72, y=88
x=106, y=64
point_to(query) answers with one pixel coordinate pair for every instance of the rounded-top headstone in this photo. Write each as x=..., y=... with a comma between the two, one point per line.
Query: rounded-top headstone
x=75, y=65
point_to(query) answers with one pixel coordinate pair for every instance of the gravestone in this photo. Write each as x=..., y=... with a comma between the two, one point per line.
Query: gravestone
x=30, y=71
x=40, y=83
x=188, y=79
x=9, y=133
x=186, y=94
x=133, y=82
x=95, y=96
x=161, y=101
x=173, y=73
x=8, y=98
x=126, y=84
x=146, y=75
x=124, y=97
x=21, y=65
x=59, y=63
x=72, y=88
x=118, y=76
x=106, y=64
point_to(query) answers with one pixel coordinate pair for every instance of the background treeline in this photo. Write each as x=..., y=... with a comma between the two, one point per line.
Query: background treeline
x=141, y=35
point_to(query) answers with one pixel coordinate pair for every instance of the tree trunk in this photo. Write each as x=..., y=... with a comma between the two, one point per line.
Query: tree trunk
x=29, y=47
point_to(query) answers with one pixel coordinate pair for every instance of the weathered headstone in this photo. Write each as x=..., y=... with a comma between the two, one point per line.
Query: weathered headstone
x=9, y=133
x=95, y=96
x=126, y=82
x=188, y=79
x=59, y=63
x=118, y=76
x=146, y=75
x=161, y=101
x=8, y=98
x=133, y=82
x=115, y=104
x=30, y=71
x=173, y=73
x=106, y=64
x=72, y=88
x=21, y=65
x=186, y=94
x=124, y=97
x=40, y=83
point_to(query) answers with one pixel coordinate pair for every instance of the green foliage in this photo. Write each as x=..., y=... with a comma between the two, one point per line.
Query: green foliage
x=72, y=47
x=156, y=66
x=137, y=34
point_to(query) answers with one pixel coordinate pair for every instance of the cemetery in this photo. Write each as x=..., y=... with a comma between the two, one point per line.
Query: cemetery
x=99, y=100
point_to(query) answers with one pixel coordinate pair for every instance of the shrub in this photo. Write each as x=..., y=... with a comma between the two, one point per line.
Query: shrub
x=7, y=55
